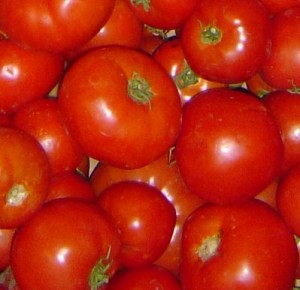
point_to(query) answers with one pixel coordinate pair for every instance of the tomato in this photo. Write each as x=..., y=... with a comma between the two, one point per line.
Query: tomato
x=268, y=194
x=121, y=106
x=163, y=14
x=55, y=26
x=68, y=244
x=152, y=39
x=258, y=86
x=144, y=278
x=221, y=40
x=287, y=198
x=229, y=148
x=43, y=120
x=170, y=55
x=285, y=109
x=275, y=7
x=26, y=75
x=280, y=68
x=71, y=184
x=164, y=175
x=6, y=237
x=24, y=179
x=132, y=206
x=241, y=246
x=122, y=28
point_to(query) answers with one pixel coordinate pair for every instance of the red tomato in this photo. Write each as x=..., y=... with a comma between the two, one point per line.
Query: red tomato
x=43, y=120
x=68, y=244
x=288, y=198
x=6, y=237
x=163, y=14
x=24, y=179
x=281, y=66
x=170, y=55
x=122, y=28
x=121, y=106
x=275, y=6
x=285, y=109
x=26, y=75
x=71, y=184
x=57, y=25
x=242, y=246
x=268, y=195
x=258, y=86
x=229, y=148
x=221, y=40
x=133, y=206
x=144, y=278
x=164, y=175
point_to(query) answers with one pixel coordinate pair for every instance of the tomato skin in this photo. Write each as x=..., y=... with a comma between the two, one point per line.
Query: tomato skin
x=143, y=241
x=163, y=14
x=229, y=148
x=122, y=28
x=164, y=175
x=170, y=55
x=6, y=237
x=277, y=70
x=42, y=22
x=144, y=278
x=109, y=125
x=67, y=250
x=25, y=177
x=71, y=184
x=274, y=7
x=239, y=50
x=43, y=120
x=252, y=251
x=284, y=106
x=26, y=75
x=287, y=198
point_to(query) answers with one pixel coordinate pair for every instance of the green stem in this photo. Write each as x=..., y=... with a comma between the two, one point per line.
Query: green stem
x=210, y=34
x=186, y=77
x=144, y=3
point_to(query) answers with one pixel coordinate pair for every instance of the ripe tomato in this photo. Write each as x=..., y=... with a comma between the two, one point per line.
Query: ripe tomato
x=163, y=14
x=164, y=175
x=288, y=198
x=70, y=184
x=132, y=206
x=258, y=86
x=285, y=109
x=170, y=55
x=122, y=28
x=6, y=237
x=57, y=25
x=24, y=179
x=221, y=40
x=26, y=75
x=68, y=244
x=275, y=6
x=121, y=106
x=43, y=120
x=280, y=68
x=241, y=246
x=229, y=148
x=144, y=278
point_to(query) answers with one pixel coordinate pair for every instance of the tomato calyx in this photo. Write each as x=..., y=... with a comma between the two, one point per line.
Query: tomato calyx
x=139, y=89
x=163, y=33
x=99, y=275
x=209, y=247
x=144, y=3
x=210, y=34
x=7, y=278
x=186, y=77
x=16, y=195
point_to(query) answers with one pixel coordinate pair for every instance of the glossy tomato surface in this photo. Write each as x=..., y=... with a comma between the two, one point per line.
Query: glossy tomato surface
x=244, y=246
x=133, y=206
x=24, y=179
x=221, y=40
x=61, y=244
x=26, y=75
x=229, y=148
x=121, y=106
x=55, y=26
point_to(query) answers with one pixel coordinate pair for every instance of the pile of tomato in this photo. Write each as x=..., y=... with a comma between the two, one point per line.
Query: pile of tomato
x=149, y=144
